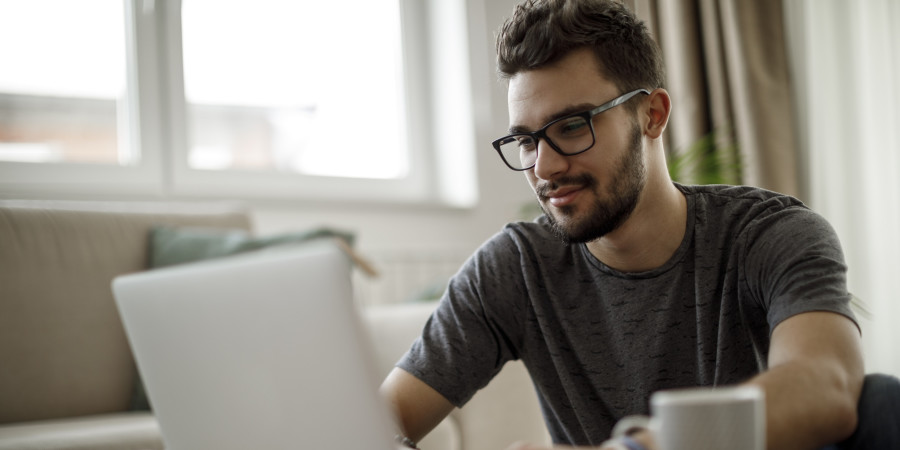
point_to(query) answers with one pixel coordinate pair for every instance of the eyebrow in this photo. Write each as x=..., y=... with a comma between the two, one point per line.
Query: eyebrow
x=513, y=129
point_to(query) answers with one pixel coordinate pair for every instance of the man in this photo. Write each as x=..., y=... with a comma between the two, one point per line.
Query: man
x=630, y=283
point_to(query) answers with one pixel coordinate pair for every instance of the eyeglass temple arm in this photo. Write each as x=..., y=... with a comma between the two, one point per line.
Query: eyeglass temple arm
x=625, y=98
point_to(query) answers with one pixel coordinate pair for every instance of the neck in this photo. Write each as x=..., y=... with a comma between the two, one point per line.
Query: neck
x=652, y=233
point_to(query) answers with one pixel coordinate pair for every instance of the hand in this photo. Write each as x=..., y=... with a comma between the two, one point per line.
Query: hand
x=643, y=437
x=526, y=446
x=530, y=446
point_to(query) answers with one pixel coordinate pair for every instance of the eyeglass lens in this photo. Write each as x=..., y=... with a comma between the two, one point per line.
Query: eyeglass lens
x=569, y=135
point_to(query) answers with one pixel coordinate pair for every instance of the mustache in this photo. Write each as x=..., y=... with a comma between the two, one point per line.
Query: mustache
x=584, y=180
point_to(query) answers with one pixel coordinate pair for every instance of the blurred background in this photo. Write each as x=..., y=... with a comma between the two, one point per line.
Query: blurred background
x=375, y=117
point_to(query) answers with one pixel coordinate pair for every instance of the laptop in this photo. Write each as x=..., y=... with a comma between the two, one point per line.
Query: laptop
x=261, y=350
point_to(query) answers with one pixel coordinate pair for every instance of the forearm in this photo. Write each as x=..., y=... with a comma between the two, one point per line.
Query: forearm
x=418, y=407
x=808, y=406
x=813, y=382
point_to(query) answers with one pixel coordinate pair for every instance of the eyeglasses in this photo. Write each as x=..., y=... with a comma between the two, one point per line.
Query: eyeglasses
x=569, y=135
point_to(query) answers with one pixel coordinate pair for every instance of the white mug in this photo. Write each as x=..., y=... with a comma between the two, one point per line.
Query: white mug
x=730, y=418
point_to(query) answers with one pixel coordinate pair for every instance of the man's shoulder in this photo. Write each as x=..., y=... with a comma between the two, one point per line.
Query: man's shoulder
x=736, y=192
x=758, y=217
x=737, y=201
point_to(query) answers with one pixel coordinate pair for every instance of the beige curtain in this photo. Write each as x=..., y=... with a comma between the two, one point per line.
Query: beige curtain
x=728, y=73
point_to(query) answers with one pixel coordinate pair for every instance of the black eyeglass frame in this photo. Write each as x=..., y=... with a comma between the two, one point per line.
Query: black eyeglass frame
x=542, y=133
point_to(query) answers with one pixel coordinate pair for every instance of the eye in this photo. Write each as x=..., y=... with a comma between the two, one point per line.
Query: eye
x=571, y=126
x=525, y=143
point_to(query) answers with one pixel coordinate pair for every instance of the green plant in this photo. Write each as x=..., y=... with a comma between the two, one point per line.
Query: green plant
x=712, y=159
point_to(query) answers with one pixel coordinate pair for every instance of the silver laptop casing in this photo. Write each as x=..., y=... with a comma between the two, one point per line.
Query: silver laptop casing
x=262, y=350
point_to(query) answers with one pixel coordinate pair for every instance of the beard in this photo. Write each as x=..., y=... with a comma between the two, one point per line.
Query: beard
x=602, y=216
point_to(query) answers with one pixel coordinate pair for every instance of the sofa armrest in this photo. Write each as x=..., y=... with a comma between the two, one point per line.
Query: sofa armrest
x=122, y=431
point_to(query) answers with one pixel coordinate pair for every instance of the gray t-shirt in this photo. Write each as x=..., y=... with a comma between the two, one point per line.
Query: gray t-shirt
x=597, y=342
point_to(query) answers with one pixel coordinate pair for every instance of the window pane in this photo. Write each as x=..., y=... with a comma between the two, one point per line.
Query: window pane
x=62, y=86
x=312, y=87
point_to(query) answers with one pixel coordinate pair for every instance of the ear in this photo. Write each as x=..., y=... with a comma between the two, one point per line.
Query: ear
x=659, y=105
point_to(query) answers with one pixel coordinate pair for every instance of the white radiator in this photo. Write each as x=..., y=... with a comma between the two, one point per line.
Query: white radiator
x=404, y=276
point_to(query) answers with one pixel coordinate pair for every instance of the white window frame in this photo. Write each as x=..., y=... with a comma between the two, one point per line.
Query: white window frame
x=440, y=139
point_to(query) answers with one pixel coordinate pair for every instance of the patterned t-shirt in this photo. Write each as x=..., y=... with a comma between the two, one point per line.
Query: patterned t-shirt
x=598, y=342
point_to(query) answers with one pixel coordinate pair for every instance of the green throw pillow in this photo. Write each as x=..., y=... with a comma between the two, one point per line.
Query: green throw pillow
x=176, y=245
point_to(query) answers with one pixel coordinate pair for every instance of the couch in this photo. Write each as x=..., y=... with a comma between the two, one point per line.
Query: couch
x=67, y=377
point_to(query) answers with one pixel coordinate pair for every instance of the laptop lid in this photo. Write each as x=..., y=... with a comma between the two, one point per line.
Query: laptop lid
x=261, y=350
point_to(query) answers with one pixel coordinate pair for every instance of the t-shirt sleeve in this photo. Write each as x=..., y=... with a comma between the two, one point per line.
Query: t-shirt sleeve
x=795, y=265
x=465, y=343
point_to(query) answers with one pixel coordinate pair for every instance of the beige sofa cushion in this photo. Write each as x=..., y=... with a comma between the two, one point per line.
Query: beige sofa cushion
x=62, y=346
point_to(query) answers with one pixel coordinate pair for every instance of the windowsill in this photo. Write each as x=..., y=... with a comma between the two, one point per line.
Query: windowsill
x=96, y=196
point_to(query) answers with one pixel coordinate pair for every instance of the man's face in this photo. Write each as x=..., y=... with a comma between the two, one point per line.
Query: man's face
x=590, y=194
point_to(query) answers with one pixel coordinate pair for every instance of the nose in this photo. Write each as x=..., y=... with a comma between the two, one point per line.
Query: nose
x=549, y=163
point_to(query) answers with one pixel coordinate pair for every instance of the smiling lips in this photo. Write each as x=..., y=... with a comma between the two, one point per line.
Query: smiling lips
x=563, y=196
x=564, y=190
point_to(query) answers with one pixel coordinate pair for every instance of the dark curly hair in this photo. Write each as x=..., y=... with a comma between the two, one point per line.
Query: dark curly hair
x=541, y=32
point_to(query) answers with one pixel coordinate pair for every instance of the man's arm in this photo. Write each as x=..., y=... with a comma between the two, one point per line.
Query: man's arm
x=812, y=385
x=813, y=382
x=418, y=407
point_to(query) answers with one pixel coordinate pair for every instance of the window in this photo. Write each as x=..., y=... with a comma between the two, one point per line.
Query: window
x=222, y=98
x=263, y=93
x=63, y=96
